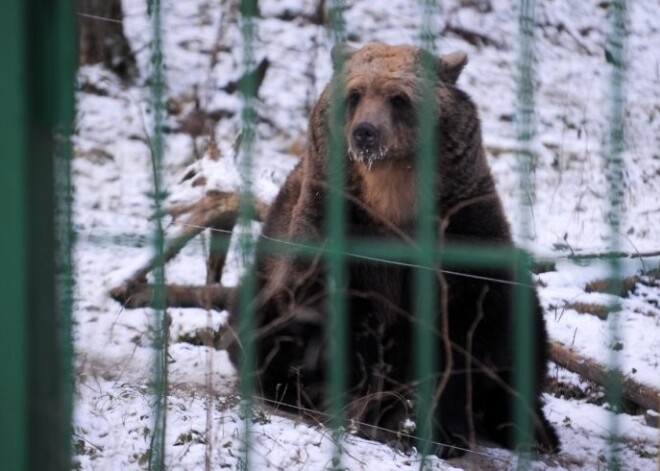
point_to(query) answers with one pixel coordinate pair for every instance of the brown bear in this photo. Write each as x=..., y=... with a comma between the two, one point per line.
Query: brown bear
x=381, y=88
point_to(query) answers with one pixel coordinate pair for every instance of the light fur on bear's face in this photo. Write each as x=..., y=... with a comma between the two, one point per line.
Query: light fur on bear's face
x=381, y=92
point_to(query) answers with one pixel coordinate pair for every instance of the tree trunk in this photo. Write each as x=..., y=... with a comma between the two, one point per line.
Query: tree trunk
x=102, y=39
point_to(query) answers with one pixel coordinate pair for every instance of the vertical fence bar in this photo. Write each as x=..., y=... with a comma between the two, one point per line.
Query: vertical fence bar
x=159, y=318
x=13, y=247
x=524, y=319
x=336, y=237
x=526, y=110
x=426, y=238
x=248, y=10
x=49, y=32
x=614, y=147
x=67, y=52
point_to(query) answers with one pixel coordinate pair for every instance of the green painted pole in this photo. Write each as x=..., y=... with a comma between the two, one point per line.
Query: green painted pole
x=524, y=318
x=13, y=243
x=615, y=54
x=248, y=10
x=336, y=241
x=65, y=39
x=426, y=295
x=159, y=318
x=38, y=46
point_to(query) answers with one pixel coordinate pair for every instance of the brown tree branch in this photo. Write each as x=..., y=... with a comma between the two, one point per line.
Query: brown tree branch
x=205, y=297
x=641, y=394
x=216, y=210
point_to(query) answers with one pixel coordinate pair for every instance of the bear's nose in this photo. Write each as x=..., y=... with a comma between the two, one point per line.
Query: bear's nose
x=365, y=135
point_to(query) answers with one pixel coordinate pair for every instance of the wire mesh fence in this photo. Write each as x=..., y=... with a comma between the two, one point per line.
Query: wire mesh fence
x=422, y=253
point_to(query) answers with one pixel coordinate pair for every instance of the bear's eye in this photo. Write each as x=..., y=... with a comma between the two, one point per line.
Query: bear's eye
x=353, y=98
x=398, y=101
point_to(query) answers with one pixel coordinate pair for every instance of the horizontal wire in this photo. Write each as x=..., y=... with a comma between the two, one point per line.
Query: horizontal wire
x=377, y=427
x=375, y=259
x=358, y=256
x=111, y=20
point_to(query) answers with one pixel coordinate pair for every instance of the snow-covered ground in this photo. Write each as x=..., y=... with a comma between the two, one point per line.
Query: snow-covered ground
x=113, y=219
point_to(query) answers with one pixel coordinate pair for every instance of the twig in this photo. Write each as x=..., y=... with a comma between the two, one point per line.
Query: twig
x=610, y=255
x=473, y=37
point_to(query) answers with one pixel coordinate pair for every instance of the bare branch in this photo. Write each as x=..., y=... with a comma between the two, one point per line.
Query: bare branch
x=204, y=297
x=216, y=210
x=641, y=394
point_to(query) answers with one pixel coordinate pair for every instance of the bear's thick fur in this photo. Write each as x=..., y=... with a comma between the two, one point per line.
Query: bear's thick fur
x=381, y=89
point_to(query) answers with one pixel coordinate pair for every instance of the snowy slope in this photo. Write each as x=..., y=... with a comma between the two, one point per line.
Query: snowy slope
x=113, y=210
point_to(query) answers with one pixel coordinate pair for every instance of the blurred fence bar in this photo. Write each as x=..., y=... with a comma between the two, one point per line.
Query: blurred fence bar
x=38, y=50
x=524, y=325
x=248, y=10
x=426, y=237
x=615, y=54
x=14, y=388
x=336, y=233
x=159, y=316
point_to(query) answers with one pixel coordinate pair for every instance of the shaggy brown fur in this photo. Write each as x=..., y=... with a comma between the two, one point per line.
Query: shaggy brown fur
x=381, y=90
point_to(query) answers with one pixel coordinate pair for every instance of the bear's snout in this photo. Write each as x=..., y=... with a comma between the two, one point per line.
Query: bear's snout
x=365, y=136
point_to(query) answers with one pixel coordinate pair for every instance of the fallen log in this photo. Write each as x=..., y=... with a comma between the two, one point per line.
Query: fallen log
x=216, y=296
x=645, y=396
x=205, y=297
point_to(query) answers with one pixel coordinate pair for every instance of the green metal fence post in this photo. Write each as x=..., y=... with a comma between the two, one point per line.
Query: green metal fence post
x=614, y=146
x=13, y=246
x=248, y=9
x=63, y=76
x=524, y=319
x=50, y=34
x=336, y=237
x=426, y=297
x=38, y=46
x=159, y=317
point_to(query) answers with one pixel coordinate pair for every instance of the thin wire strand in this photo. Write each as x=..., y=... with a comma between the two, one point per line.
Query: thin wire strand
x=375, y=259
x=147, y=26
x=315, y=412
x=388, y=261
x=586, y=256
x=104, y=18
x=360, y=256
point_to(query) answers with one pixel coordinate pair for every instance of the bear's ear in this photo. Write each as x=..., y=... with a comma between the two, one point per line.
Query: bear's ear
x=451, y=65
x=340, y=53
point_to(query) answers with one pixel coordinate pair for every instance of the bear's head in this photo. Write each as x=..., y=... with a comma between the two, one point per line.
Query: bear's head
x=382, y=90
